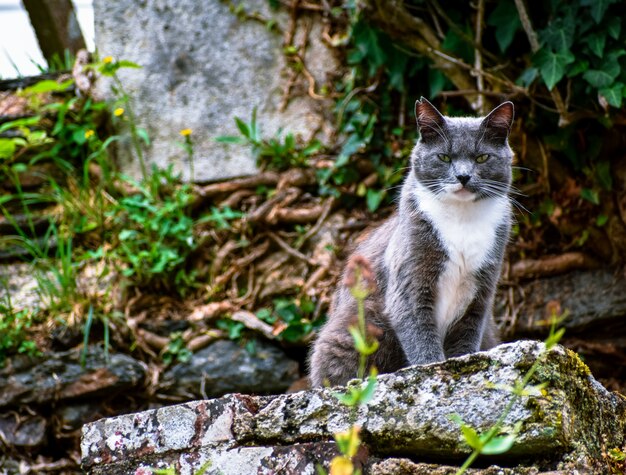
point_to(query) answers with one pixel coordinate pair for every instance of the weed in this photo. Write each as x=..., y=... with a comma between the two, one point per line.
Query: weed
x=275, y=153
x=14, y=325
x=359, y=279
x=156, y=232
x=499, y=439
x=175, y=351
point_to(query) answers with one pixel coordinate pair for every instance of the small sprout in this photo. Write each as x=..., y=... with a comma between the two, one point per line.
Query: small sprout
x=359, y=277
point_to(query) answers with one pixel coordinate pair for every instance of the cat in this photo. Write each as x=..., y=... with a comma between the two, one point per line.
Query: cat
x=437, y=261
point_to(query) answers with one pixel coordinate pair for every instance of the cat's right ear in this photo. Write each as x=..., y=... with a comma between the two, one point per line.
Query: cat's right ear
x=430, y=122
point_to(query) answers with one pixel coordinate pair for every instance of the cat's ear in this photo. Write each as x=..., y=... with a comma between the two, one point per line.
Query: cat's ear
x=430, y=122
x=498, y=122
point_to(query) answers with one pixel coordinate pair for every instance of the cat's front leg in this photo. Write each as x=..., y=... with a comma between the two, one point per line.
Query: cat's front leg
x=411, y=312
x=466, y=334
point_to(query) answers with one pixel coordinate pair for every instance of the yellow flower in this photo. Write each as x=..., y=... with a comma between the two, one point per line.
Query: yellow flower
x=186, y=132
x=107, y=59
x=89, y=133
x=118, y=112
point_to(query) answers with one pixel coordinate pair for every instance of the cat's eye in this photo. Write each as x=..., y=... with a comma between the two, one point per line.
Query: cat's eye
x=482, y=158
x=444, y=158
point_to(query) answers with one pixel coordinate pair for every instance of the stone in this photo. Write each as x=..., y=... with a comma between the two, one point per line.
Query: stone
x=22, y=284
x=203, y=65
x=595, y=302
x=226, y=367
x=22, y=430
x=60, y=376
x=567, y=425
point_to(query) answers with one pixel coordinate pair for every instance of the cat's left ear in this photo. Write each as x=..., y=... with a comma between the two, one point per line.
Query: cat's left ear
x=498, y=122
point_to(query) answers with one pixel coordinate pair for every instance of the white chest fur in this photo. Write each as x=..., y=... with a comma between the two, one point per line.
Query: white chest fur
x=467, y=231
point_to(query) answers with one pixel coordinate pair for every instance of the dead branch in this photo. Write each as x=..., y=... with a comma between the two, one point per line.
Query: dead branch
x=298, y=215
x=210, y=311
x=265, y=178
x=252, y=322
x=552, y=265
x=202, y=341
x=290, y=250
x=328, y=205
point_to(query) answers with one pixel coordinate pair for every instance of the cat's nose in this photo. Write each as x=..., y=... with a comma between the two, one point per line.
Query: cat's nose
x=463, y=179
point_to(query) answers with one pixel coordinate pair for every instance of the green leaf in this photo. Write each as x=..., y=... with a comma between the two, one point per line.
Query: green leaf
x=456, y=44
x=7, y=148
x=603, y=174
x=123, y=63
x=596, y=43
x=436, y=81
x=552, y=65
x=598, y=78
x=25, y=122
x=143, y=135
x=368, y=391
x=614, y=27
x=48, y=85
x=374, y=198
x=499, y=444
x=554, y=338
x=579, y=66
x=601, y=220
x=505, y=19
x=243, y=127
x=613, y=94
x=590, y=195
x=527, y=77
x=559, y=34
x=230, y=139
x=471, y=437
x=598, y=8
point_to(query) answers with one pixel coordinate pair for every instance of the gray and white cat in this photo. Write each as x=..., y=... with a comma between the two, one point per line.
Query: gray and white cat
x=438, y=259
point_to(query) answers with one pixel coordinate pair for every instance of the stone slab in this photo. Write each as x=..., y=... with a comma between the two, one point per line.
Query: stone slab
x=202, y=66
x=571, y=420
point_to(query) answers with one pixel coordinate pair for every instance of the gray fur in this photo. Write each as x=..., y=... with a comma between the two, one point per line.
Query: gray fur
x=411, y=254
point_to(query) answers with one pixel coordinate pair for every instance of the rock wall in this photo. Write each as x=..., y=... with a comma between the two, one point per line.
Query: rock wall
x=202, y=66
x=564, y=427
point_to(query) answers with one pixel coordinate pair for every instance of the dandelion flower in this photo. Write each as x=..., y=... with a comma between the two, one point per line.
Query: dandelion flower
x=185, y=132
x=118, y=112
x=89, y=133
x=107, y=59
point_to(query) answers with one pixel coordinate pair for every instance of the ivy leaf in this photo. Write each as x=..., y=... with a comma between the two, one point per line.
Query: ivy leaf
x=436, y=81
x=374, y=198
x=598, y=8
x=559, y=34
x=613, y=94
x=614, y=27
x=590, y=195
x=552, y=65
x=579, y=66
x=596, y=43
x=527, y=77
x=598, y=78
x=506, y=21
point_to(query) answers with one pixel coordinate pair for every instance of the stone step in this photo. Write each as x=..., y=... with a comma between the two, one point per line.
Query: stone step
x=569, y=423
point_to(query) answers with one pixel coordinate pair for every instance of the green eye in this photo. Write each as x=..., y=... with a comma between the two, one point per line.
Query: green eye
x=444, y=158
x=482, y=158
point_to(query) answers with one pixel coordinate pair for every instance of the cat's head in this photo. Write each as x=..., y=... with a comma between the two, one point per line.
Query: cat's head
x=461, y=158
